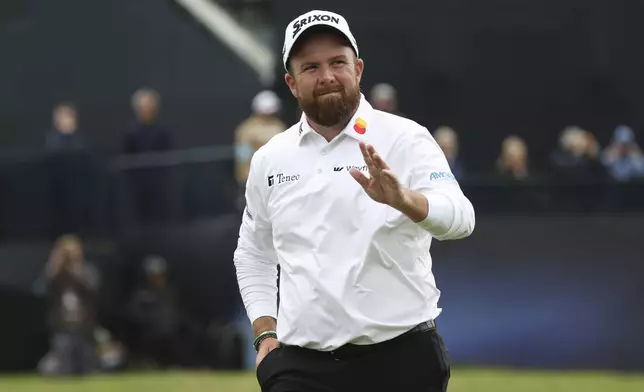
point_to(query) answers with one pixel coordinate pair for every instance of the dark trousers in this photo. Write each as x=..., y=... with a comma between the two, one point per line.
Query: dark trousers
x=414, y=362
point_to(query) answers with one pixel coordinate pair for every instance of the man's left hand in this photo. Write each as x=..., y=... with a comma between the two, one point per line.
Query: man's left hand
x=381, y=185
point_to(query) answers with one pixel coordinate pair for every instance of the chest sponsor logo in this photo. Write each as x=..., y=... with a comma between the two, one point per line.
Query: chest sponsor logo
x=362, y=168
x=360, y=126
x=281, y=178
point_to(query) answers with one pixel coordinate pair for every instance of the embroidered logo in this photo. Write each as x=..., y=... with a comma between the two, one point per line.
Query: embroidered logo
x=360, y=126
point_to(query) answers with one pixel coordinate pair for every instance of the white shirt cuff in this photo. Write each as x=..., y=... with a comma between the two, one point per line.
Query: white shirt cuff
x=441, y=214
x=262, y=309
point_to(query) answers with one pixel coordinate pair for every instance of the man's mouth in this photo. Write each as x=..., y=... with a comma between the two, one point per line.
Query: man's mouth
x=329, y=92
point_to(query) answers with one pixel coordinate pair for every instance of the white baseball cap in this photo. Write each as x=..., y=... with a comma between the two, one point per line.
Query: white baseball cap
x=266, y=102
x=303, y=22
x=383, y=91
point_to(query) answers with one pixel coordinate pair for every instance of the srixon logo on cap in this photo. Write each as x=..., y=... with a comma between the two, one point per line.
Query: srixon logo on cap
x=297, y=26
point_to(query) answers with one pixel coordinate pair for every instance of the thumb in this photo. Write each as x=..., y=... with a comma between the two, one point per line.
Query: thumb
x=359, y=177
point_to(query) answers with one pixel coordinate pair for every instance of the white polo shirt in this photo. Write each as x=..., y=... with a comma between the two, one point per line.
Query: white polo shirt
x=352, y=270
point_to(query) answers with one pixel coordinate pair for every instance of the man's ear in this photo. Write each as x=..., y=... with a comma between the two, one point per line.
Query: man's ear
x=290, y=82
x=359, y=68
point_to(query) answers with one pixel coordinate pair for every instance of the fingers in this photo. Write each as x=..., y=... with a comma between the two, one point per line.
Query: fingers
x=360, y=178
x=367, y=159
x=374, y=161
x=379, y=162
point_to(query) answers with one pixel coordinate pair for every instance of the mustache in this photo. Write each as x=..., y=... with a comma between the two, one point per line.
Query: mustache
x=322, y=91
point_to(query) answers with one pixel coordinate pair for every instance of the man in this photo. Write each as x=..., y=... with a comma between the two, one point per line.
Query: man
x=447, y=140
x=576, y=158
x=512, y=164
x=152, y=193
x=147, y=135
x=256, y=131
x=63, y=135
x=346, y=202
x=70, y=169
x=72, y=287
x=384, y=97
x=155, y=316
x=623, y=158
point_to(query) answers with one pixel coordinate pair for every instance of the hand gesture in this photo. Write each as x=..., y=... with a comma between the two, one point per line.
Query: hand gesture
x=381, y=185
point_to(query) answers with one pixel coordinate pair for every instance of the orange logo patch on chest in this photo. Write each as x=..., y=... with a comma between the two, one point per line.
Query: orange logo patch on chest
x=360, y=126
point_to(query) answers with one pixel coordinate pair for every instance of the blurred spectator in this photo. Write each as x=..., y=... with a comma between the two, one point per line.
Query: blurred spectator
x=255, y=131
x=577, y=156
x=70, y=172
x=623, y=157
x=63, y=135
x=156, y=318
x=513, y=162
x=72, y=295
x=147, y=135
x=447, y=139
x=151, y=190
x=384, y=97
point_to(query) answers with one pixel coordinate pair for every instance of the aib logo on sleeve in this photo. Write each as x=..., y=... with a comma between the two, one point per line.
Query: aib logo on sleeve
x=441, y=176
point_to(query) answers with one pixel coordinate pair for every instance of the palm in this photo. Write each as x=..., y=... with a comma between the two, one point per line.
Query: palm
x=381, y=185
x=382, y=190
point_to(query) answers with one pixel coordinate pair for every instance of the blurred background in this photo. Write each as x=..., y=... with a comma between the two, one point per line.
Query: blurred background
x=126, y=128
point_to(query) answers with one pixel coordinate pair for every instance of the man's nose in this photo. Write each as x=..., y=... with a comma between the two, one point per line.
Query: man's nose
x=326, y=75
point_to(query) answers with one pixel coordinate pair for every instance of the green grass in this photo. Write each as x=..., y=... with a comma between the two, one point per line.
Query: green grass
x=469, y=380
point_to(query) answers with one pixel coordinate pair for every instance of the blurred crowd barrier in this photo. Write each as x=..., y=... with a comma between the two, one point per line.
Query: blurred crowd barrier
x=45, y=195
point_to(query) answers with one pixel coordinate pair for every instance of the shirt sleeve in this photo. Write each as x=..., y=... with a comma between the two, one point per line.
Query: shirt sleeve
x=255, y=258
x=451, y=214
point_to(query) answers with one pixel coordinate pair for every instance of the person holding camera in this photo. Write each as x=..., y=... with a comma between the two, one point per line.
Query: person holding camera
x=72, y=302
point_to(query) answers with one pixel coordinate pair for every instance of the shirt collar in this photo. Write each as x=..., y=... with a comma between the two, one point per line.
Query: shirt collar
x=357, y=127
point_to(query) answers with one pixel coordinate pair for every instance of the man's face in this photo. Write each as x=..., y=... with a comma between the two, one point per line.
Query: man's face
x=516, y=156
x=65, y=119
x=325, y=78
x=146, y=109
x=72, y=256
x=447, y=142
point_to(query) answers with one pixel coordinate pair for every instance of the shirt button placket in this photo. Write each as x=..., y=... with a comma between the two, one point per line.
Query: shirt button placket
x=324, y=152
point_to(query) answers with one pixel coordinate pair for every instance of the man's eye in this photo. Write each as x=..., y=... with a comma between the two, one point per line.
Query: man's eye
x=309, y=67
x=338, y=62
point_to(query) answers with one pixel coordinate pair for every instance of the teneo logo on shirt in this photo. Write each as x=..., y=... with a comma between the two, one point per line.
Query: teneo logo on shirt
x=441, y=176
x=362, y=168
x=297, y=26
x=281, y=179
